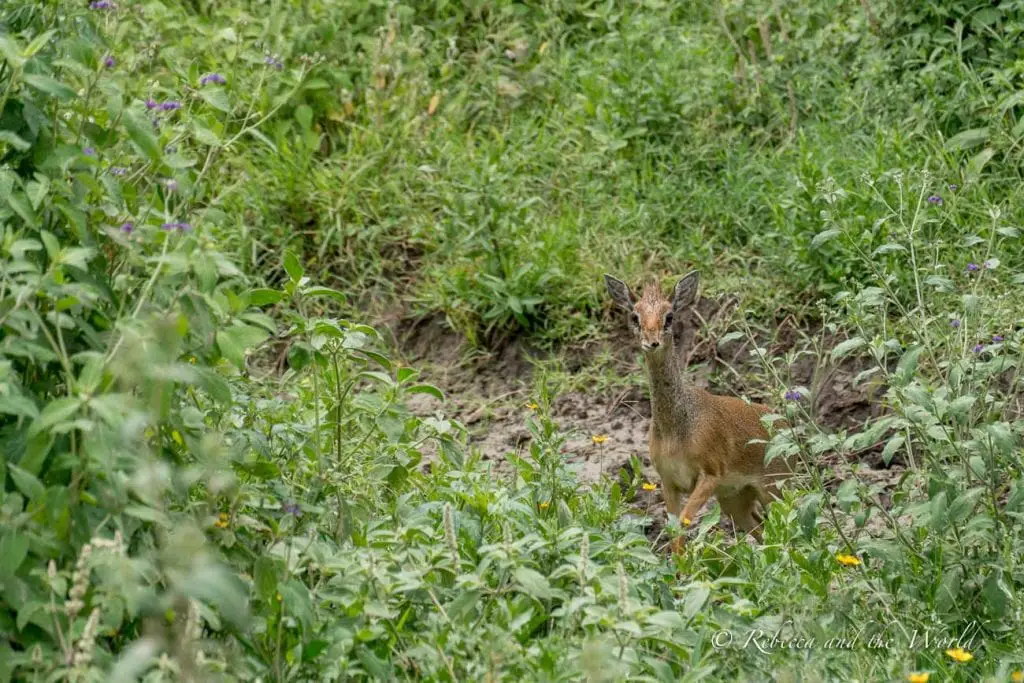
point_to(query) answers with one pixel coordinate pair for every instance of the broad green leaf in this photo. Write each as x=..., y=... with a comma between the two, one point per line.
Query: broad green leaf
x=13, y=551
x=426, y=389
x=325, y=291
x=141, y=133
x=55, y=412
x=825, y=236
x=967, y=139
x=50, y=86
x=533, y=583
x=263, y=297
x=292, y=266
x=847, y=347
x=216, y=98
x=265, y=574
x=26, y=483
x=14, y=141
x=235, y=340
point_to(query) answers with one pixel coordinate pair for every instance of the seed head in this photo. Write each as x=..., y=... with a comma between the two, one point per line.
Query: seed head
x=623, y=586
x=449, y=534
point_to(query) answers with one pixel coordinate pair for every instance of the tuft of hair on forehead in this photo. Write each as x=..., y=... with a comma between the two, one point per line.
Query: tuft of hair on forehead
x=652, y=294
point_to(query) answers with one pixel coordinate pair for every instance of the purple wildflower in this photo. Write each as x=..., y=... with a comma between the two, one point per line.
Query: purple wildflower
x=180, y=227
x=955, y=324
x=151, y=103
x=972, y=267
x=935, y=199
x=793, y=395
x=272, y=60
x=109, y=61
x=118, y=170
x=102, y=4
x=997, y=338
x=953, y=187
x=214, y=78
x=978, y=348
x=170, y=105
x=292, y=508
x=89, y=151
x=172, y=185
x=128, y=228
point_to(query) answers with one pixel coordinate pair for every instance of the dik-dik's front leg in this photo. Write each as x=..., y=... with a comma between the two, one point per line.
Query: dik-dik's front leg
x=705, y=488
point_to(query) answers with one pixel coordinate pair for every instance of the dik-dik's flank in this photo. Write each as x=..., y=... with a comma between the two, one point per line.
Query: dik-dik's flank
x=699, y=442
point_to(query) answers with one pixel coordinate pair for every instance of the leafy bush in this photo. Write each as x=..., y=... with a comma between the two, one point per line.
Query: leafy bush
x=209, y=469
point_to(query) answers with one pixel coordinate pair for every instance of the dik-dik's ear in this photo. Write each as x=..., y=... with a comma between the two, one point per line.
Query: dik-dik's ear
x=621, y=294
x=685, y=293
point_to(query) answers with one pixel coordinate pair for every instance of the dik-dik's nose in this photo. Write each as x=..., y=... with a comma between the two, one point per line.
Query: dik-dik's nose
x=648, y=346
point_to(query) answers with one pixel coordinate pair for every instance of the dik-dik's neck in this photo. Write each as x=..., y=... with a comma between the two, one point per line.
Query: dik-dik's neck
x=673, y=396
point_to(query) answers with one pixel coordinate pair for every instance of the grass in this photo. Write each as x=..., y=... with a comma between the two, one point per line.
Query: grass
x=210, y=470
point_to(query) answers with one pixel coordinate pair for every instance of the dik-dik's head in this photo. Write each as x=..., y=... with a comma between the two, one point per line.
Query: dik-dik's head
x=651, y=316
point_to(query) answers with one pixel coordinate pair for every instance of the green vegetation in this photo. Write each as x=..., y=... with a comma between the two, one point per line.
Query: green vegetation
x=209, y=469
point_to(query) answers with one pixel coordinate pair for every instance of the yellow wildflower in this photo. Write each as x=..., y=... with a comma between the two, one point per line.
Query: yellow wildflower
x=686, y=521
x=599, y=439
x=960, y=655
x=532, y=405
x=1017, y=677
x=222, y=521
x=648, y=486
x=544, y=505
x=919, y=677
x=847, y=560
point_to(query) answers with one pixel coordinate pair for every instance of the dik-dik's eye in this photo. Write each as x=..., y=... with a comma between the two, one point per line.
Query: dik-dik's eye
x=634, y=319
x=668, y=321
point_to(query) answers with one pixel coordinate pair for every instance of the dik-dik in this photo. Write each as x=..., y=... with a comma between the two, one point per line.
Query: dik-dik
x=699, y=442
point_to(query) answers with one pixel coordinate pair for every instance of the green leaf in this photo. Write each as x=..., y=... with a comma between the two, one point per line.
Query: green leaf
x=825, y=236
x=847, y=347
x=215, y=584
x=533, y=583
x=426, y=389
x=16, y=404
x=136, y=659
x=55, y=412
x=235, y=340
x=695, y=599
x=324, y=291
x=13, y=551
x=963, y=505
x=26, y=483
x=147, y=514
x=50, y=86
x=967, y=139
x=14, y=141
x=141, y=133
x=292, y=266
x=216, y=98
x=263, y=297
x=265, y=578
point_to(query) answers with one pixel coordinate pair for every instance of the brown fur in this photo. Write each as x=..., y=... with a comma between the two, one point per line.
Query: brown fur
x=699, y=442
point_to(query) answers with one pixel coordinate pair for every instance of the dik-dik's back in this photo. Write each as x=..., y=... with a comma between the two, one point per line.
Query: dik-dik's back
x=700, y=443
